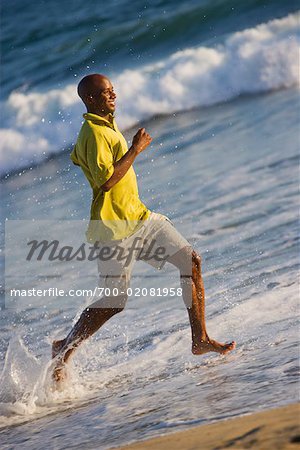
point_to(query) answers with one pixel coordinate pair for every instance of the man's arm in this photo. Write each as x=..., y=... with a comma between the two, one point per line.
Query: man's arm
x=139, y=143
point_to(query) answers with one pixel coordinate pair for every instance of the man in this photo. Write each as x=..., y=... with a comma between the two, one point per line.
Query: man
x=119, y=217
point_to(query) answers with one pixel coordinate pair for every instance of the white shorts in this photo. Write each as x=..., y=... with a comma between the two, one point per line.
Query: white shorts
x=154, y=242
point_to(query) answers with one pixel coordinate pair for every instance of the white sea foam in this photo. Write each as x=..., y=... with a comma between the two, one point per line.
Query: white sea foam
x=255, y=60
x=26, y=388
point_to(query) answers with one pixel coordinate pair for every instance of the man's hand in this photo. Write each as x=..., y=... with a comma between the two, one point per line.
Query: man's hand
x=141, y=140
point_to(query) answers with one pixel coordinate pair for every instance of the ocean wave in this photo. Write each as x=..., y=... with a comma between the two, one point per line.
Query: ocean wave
x=255, y=60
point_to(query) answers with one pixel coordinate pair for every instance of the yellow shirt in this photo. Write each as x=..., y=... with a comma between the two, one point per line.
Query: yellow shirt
x=117, y=213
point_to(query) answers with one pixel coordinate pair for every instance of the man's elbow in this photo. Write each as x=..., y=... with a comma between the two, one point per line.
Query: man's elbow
x=105, y=187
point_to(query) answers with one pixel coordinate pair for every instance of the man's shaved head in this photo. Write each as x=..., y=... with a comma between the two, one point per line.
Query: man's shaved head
x=90, y=85
x=97, y=93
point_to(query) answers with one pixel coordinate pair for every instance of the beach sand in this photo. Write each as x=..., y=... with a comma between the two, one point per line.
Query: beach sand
x=275, y=429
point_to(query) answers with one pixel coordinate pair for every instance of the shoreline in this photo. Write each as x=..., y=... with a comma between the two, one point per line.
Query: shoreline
x=272, y=429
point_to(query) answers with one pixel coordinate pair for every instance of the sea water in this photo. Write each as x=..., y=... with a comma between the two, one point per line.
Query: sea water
x=223, y=111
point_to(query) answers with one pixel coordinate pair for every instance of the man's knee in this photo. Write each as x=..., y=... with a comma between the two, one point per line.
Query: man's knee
x=110, y=305
x=196, y=260
x=183, y=260
x=116, y=310
x=189, y=261
x=93, y=311
x=118, y=303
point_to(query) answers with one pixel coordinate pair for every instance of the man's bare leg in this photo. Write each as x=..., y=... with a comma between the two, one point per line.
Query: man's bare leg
x=89, y=322
x=194, y=298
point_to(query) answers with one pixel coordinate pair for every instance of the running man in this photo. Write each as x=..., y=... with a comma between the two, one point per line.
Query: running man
x=119, y=217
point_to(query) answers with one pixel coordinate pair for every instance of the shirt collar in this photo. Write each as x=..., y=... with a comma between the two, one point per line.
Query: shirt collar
x=99, y=120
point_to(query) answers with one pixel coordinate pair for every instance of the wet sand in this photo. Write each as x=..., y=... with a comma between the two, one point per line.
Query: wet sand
x=275, y=429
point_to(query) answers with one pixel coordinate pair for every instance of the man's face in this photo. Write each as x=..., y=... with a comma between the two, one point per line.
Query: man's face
x=104, y=97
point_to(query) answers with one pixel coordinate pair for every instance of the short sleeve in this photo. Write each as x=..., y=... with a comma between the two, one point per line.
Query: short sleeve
x=100, y=159
x=74, y=157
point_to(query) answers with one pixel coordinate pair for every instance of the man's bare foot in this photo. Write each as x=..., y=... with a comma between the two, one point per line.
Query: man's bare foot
x=59, y=373
x=209, y=345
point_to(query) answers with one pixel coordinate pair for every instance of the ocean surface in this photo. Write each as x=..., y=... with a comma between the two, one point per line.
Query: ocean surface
x=217, y=86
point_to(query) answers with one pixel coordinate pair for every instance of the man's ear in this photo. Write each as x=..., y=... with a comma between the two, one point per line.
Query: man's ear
x=89, y=99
